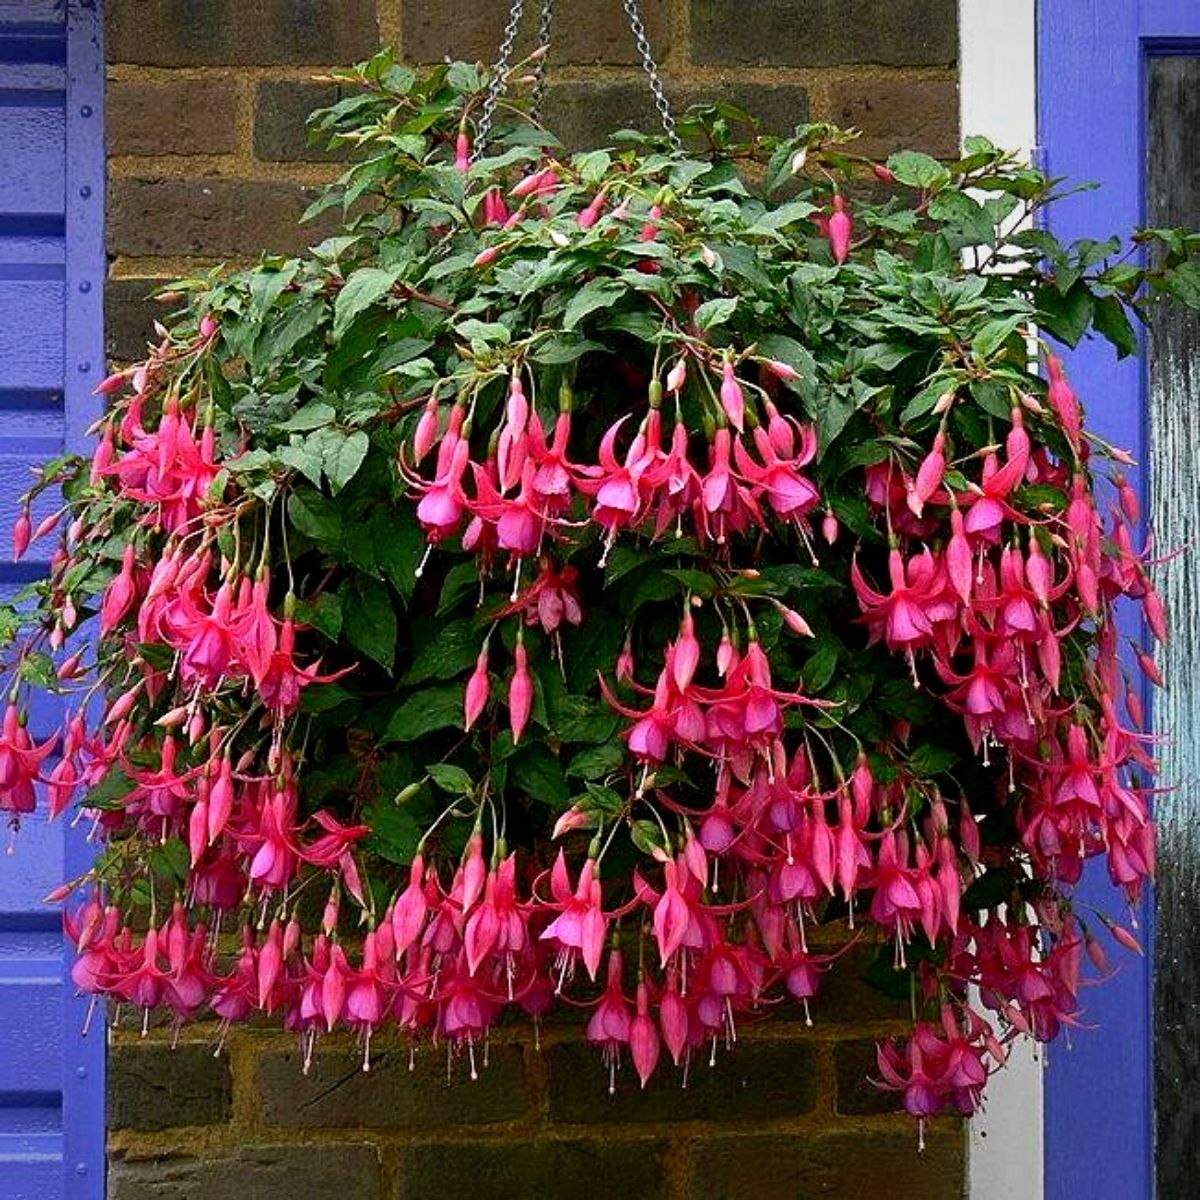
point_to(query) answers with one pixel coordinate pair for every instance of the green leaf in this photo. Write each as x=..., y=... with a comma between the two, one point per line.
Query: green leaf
x=821, y=664
x=539, y=774
x=451, y=778
x=918, y=170
x=992, y=335
x=312, y=416
x=369, y=620
x=715, y=312
x=596, y=293
x=343, y=454
x=993, y=396
x=323, y=614
x=1110, y=321
x=448, y=651
x=362, y=289
x=304, y=456
x=596, y=762
x=931, y=759
x=426, y=712
x=1065, y=316
x=395, y=831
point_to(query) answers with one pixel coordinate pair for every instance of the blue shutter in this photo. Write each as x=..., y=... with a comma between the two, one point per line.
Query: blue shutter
x=51, y=282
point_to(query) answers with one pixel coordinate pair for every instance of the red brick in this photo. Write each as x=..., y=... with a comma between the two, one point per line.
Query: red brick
x=894, y=114
x=821, y=33
x=842, y=1166
x=171, y=33
x=583, y=30
x=207, y=216
x=182, y=116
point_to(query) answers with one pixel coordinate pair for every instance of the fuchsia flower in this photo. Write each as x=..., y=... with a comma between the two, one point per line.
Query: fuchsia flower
x=20, y=761
x=610, y=1025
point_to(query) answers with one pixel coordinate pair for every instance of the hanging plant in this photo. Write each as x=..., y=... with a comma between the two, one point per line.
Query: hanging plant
x=588, y=575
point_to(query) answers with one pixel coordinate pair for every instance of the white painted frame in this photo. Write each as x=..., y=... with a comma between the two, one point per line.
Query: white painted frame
x=998, y=100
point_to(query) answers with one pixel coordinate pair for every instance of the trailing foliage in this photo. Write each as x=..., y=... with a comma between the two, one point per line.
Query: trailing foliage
x=636, y=552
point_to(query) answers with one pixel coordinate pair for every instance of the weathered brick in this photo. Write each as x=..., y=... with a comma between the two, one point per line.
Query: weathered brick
x=913, y=114
x=586, y=114
x=152, y=1087
x=182, y=116
x=128, y=314
x=502, y=1170
x=583, y=31
x=281, y=111
x=818, y=33
x=842, y=1166
x=208, y=216
x=175, y=33
x=345, y=1169
x=855, y=1066
x=337, y=1092
x=753, y=1081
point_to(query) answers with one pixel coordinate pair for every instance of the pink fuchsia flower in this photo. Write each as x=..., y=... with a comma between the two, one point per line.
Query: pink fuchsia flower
x=610, y=1024
x=20, y=762
x=581, y=927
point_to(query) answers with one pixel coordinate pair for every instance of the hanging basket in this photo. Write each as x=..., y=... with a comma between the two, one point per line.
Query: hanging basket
x=625, y=578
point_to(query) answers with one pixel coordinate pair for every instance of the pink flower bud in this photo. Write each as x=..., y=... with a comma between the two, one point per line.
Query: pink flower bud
x=462, y=153
x=883, y=173
x=625, y=664
x=590, y=215
x=520, y=692
x=208, y=327
x=650, y=228
x=70, y=668
x=829, y=527
x=794, y=621
x=732, y=399
x=782, y=370
x=676, y=376
x=958, y=558
x=685, y=655
x=426, y=431
x=841, y=230
x=22, y=528
x=644, y=1044
x=573, y=818
x=487, y=255
x=478, y=689
x=111, y=383
x=929, y=475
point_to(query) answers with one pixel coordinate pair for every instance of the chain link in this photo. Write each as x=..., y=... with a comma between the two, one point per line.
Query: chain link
x=497, y=82
x=634, y=13
x=539, y=86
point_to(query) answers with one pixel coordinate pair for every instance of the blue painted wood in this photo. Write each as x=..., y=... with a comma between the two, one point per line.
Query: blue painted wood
x=1092, y=121
x=52, y=1128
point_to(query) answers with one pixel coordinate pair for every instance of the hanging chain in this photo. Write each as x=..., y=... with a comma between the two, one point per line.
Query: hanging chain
x=634, y=13
x=539, y=86
x=497, y=82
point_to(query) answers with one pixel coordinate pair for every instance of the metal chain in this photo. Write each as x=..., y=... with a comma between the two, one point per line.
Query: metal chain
x=539, y=86
x=633, y=12
x=497, y=82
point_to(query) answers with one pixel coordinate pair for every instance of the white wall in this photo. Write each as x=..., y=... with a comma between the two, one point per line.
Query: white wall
x=998, y=100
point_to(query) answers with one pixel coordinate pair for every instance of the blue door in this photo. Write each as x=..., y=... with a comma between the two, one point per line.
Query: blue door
x=1119, y=103
x=51, y=356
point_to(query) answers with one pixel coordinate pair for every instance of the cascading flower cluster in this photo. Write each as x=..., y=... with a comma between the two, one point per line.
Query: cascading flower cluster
x=598, y=579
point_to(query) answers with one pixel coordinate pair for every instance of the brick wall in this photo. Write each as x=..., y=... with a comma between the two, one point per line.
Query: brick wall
x=209, y=163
